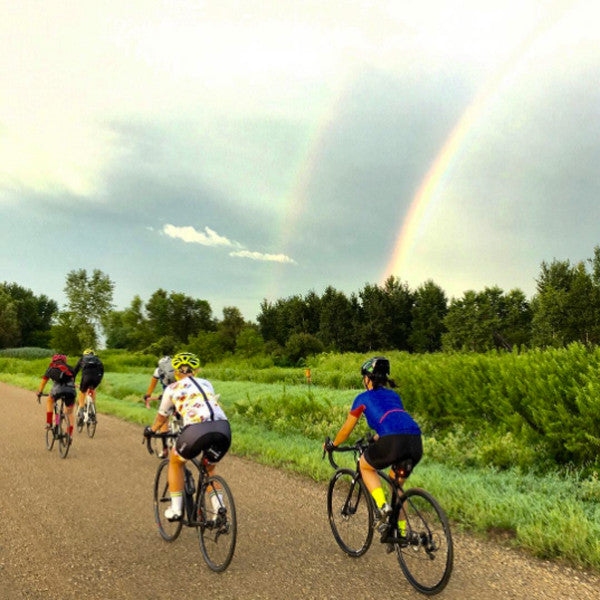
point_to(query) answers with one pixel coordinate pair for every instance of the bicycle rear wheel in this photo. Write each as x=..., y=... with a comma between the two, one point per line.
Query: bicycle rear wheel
x=64, y=439
x=91, y=423
x=169, y=530
x=217, y=529
x=350, y=512
x=426, y=553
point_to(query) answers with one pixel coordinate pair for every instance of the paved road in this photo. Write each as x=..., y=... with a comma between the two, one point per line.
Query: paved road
x=83, y=528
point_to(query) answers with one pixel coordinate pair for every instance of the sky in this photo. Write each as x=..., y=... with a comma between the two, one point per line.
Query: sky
x=238, y=151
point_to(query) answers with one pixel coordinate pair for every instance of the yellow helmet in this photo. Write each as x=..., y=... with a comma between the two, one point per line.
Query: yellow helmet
x=88, y=351
x=185, y=359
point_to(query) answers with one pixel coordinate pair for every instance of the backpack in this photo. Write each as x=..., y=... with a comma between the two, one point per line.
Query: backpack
x=66, y=374
x=91, y=361
x=165, y=367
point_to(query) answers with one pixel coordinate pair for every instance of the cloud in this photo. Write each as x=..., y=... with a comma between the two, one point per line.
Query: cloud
x=192, y=236
x=211, y=238
x=281, y=258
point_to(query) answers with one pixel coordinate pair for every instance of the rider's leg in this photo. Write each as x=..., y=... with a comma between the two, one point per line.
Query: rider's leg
x=49, y=411
x=175, y=479
x=69, y=413
x=372, y=481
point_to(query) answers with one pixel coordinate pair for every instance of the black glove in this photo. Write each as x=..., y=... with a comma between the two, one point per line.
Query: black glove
x=148, y=431
x=39, y=395
x=146, y=396
x=329, y=446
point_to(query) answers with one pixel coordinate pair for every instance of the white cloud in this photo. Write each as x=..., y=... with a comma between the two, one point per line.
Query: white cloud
x=211, y=238
x=281, y=258
x=192, y=236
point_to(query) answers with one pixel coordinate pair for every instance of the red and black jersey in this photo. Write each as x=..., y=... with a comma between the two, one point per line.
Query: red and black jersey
x=60, y=373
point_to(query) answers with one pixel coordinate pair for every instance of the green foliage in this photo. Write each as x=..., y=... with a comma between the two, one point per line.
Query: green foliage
x=301, y=345
x=26, y=352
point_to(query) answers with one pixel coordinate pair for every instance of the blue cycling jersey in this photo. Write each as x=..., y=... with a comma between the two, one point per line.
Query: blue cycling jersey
x=384, y=412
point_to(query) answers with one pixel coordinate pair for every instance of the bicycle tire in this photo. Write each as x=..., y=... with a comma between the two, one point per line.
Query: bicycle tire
x=79, y=422
x=91, y=423
x=64, y=439
x=217, y=532
x=426, y=555
x=169, y=530
x=50, y=437
x=350, y=512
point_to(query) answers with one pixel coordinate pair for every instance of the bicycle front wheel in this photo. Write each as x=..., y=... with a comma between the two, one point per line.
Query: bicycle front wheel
x=64, y=438
x=426, y=552
x=169, y=530
x=217, y=523
x=91, y=423
x=350, y=512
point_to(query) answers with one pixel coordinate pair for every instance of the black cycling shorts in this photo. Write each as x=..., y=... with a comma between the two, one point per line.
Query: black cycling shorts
x=66, y=392
x=214, y=437
x=89, y=381
x=404, y=449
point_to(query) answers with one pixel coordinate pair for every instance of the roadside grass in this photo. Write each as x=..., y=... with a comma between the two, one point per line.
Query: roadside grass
x=555, y=515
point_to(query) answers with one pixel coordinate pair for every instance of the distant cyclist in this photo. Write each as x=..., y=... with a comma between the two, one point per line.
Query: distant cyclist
x=63, y=384
x=164, y=373
x=92, y=371
x=206, y=427
x=398, y=437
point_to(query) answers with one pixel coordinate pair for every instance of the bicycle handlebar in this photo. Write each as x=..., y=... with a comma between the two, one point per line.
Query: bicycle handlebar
x=157, y=434
x=358, y=448
x=40, y=396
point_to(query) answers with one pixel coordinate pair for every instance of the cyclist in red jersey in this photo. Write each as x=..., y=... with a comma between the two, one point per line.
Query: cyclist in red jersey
x=63, y=380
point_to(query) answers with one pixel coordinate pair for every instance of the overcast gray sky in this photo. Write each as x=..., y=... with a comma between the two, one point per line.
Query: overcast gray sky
x=241, y=150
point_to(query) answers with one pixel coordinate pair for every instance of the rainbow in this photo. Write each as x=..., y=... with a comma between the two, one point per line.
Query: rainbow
x=431, y=189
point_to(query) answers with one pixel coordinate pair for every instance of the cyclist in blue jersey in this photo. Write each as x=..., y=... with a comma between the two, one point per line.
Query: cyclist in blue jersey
x=397, y=440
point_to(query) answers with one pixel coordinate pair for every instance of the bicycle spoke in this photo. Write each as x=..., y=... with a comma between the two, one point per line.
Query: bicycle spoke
x=350, y=513
x=425, y=553
x=217, y=528
x=169, y=530
x=64, y=439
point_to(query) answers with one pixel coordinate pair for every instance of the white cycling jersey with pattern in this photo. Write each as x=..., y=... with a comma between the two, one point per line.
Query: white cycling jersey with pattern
x=186, y=397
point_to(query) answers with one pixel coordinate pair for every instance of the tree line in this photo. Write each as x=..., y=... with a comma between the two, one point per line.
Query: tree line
x=388, y=316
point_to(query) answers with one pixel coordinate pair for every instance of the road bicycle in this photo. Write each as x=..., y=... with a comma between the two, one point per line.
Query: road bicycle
x=208, y=507
x=424, y=550
x=175, y=427
x=89, y=419
x=60, y=426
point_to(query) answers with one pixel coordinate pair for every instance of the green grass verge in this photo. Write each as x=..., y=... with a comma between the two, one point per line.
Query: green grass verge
x=552, y=516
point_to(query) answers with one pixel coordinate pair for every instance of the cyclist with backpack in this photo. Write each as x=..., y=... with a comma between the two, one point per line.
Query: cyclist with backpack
x=206, y=428
x=92, y=371
x=397, y=439
x=164, y=373
x=63, y=380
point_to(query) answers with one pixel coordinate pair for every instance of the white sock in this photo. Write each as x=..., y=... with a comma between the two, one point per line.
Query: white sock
x=177, y=502
x=217, y=501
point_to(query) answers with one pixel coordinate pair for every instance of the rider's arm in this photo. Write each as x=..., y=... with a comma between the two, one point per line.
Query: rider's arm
x=346, y=429
x=42, y=385
x=152, y=385
x=158, y=422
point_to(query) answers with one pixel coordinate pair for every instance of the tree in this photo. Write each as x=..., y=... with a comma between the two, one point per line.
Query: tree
x=65, y=335
x=230, y=327
x=34, y=315
x=89, y=300
x=249, y=343
x=9, y=322
x=430, y=307
x=338, y=318
x=301, y=345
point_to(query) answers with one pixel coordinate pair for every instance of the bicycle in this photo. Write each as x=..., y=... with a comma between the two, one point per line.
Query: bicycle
x=60, y=427
x=89, y=415
x=424, y=550
x=175, y=427
x=216, y=528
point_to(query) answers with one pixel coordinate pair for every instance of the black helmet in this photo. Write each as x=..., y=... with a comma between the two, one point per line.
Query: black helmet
x=377, y=367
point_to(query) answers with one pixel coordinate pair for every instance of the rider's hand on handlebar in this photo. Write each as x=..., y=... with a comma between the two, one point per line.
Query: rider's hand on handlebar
x=148, y=431
x=39, y=395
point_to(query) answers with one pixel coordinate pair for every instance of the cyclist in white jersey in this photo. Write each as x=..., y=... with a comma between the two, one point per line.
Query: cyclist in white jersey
x=205, y=425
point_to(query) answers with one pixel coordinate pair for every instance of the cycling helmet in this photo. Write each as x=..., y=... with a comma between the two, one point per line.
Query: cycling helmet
x=377, y=367
x=59, y=358
x=185, y=359
x=88, y=351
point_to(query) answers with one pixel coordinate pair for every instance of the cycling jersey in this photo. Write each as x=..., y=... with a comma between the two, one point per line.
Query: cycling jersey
x=384, y=412
x=194, y=399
